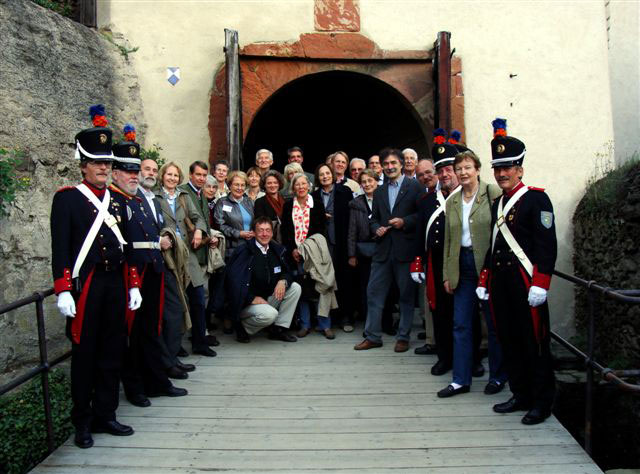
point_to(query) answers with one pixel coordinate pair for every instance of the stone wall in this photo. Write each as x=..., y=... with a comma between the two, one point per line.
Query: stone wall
x=607, y=226
x=53, y=69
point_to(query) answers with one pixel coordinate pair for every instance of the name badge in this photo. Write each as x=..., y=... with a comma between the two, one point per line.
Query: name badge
x=226, y=208
x=276, y=270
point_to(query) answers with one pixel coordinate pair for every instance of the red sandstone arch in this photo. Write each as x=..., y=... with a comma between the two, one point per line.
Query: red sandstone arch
x=266, y=67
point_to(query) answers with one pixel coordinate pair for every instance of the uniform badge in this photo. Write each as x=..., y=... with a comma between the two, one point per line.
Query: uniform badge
x=546, y=218
x=132, y=150
x=103, y=138
x=440, y=150
x=129, y=213
x=500, y=148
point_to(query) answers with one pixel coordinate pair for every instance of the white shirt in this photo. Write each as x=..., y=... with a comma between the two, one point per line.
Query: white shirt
x=262, y=248
x=149, y=196
x=466, y=231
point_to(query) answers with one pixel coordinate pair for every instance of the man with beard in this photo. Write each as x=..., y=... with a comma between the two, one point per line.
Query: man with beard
x=172, y=312
x=89, y=271
x=516, y=277
x=144, y=372
x=393, y=221
x=430, y=238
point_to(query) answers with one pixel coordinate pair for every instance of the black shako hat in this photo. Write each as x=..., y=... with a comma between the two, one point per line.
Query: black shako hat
x=94, y=144
x=505, y=150
x=126, y=154
x=444, y=151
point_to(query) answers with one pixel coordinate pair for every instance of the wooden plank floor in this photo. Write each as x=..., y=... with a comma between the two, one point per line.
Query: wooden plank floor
x=319, y=406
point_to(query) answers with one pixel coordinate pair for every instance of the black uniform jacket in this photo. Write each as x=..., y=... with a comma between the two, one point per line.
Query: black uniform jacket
x=72, y=215
x=532, y=223
x=430, y=248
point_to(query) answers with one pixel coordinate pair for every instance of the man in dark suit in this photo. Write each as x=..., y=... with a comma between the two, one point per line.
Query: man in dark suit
x=195, y=291
x=393, y=220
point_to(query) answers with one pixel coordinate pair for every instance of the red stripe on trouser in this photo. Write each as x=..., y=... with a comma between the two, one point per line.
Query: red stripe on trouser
x=161, y=303
x=431, y=284
x=535, y=315
x=76, y=325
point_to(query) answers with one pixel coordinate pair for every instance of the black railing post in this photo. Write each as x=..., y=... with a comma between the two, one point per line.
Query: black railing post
x=588, y=416
x=44, y=363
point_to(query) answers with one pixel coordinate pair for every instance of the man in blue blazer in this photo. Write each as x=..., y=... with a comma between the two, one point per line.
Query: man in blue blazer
x=393, y=221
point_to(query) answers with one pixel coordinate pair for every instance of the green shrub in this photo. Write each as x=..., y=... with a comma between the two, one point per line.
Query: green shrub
x=63, y=7
x=152, y=153
x=10, y=181
x=22, y=424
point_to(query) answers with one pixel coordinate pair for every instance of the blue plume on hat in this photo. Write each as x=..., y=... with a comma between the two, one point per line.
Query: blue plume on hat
x=97, y=115
x=455, y=137
x=499, y=127
x=129, y=132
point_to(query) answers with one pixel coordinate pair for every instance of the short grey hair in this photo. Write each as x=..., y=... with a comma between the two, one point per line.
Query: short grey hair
x=295, y=178
x=411, y=152
x=357, y=160
x=292, y=167
x=211, y=181
x=264, y=150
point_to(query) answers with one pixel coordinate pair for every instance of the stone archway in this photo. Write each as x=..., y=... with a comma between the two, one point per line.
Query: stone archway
x=266, y=67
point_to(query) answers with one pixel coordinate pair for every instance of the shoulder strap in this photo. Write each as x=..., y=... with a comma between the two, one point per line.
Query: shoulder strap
x=440, y=210
x=502, y=226
x=103, y=216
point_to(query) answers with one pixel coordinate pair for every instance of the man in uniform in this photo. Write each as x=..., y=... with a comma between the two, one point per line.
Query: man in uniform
x=430, y=238
x=516, y=278
x=90, y=276
x=144, y=371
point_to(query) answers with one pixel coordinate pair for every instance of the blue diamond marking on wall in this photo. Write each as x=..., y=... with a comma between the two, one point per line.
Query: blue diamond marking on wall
x=173, y=75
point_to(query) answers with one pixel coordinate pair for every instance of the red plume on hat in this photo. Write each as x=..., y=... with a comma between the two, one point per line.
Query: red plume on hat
x=439, y=136
x=97, y=115
x=499, y=127
x=129, y=133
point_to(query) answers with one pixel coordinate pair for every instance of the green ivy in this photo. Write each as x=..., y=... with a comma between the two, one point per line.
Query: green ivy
x=124, y=50
x=10, y=181
x=63, y=7
x=152, y=153
x=22, y=424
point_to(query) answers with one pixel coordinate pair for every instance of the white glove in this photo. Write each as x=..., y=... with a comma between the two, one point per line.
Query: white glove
x=537, y=296
x=66, y=304
x=482, y=293
x=418, y=277
x=135, y=299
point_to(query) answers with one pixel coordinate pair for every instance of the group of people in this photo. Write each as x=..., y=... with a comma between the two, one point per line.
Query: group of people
x=141, y=261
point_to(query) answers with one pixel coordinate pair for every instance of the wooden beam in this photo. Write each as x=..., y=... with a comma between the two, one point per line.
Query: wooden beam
x=234, y=102
x=88, y=13
x=443, y=81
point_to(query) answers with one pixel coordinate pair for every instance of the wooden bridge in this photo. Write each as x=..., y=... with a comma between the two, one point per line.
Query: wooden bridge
x=319, y=406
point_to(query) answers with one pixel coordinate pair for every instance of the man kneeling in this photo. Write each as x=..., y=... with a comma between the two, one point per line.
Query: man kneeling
x=262, y=287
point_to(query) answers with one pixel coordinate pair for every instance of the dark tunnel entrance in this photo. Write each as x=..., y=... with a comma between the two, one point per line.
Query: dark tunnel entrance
x=331, y=111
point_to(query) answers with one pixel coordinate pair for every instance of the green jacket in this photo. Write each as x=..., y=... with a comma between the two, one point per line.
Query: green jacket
x=202, y=207
x=480, y=227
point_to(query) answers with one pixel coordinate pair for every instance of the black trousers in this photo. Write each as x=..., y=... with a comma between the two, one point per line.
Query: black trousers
x=196, y=311
x=443, y=325
x=144, y=369
x=97, y=359
x=525, y=345
x=172, y=320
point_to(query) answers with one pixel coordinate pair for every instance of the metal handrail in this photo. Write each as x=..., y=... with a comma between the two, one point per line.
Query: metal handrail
x=609, y=375
x=44, y=367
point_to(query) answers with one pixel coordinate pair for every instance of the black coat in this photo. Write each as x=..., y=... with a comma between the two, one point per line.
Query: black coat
x=359, y=230
x=341, y=199
x=262, y=207
x=396, y=243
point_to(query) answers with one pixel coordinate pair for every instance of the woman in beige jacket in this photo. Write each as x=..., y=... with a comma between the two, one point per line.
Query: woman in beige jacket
x=467, y=239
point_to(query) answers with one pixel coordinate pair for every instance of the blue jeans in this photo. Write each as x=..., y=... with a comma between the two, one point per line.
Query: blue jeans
x=383, y=274
x=465, y=311
x=196, y=311
x=324, y=322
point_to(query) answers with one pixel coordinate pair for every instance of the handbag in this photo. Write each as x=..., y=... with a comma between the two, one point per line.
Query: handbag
x=365, y=249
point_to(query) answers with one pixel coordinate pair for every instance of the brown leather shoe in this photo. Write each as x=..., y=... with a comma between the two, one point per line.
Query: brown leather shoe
x=401, y=346
x=367, y=344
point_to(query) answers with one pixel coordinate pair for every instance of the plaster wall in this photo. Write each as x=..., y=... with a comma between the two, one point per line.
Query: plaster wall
x=557, y=101
x=624, y=67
